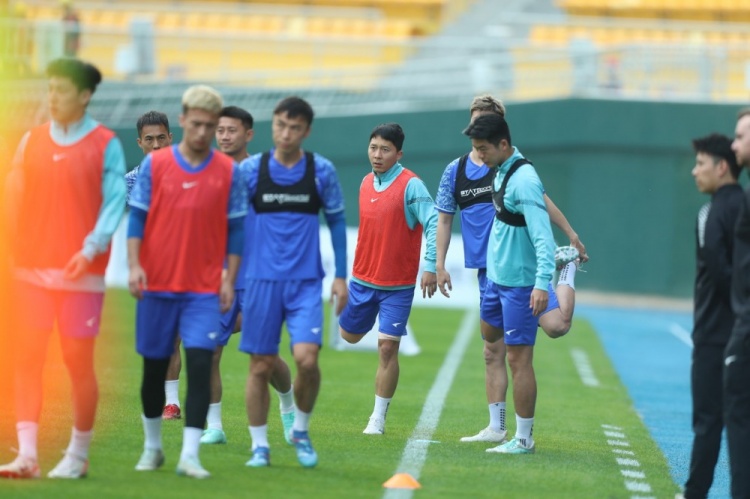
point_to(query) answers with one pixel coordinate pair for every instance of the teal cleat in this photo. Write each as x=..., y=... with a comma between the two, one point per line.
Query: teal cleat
x=261, y=458
x=515, y=446
x=306, y=455
x=287, y=421
x=213, y=436
x=564, y=255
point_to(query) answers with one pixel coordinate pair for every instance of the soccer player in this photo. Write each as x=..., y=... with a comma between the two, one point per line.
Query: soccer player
x=288, y=186
x=715, y=172
x=187, y=214
x=395, y=208
x=233, y=134
x=65, y=198
x=153, y=134
x=520, y=264
x=466, y=183
x=737, y=354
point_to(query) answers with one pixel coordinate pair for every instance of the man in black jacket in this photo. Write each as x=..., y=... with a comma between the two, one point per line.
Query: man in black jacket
x=715, y=172
x=737, y=355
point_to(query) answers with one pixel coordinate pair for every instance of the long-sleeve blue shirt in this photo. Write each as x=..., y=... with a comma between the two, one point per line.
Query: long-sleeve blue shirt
x=521, y=256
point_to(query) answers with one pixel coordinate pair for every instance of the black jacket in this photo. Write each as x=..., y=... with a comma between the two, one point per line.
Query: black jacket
x=741, y=270
x=714, y=237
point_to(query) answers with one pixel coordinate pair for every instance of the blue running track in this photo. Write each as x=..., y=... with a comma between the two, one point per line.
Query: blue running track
x=651, y=352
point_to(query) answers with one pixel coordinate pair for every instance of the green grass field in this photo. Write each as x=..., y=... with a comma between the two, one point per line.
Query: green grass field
x=573, y=458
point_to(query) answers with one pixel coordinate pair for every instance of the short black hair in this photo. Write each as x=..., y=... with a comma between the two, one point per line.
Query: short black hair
x=152, y=118
x=490, y=127
x=84, y=75
x=392, y=132
x=239, y=114
x=719, y=147
x=295, y=106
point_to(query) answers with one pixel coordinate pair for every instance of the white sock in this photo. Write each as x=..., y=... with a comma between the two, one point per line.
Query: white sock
x=568, y=275
x=191, y=440
x=497, y=416
x=524, y=428
x=172, y=391
x=152, y=431
x=259, y=436
x=301, y=420
x=213, y=419
x=381, y=407
x=287, y=400
x=27, y=437
x=80, y=441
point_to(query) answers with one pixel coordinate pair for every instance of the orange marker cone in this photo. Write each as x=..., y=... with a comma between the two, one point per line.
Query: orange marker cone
x=402, y=481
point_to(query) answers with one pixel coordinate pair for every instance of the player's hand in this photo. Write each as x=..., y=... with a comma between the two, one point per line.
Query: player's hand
x=137, y=281
x=339, y=293
x=538, y=301
x=443, y=282
x=428, y=284
x=76, y=267
x=577, y=244
x=226, y=296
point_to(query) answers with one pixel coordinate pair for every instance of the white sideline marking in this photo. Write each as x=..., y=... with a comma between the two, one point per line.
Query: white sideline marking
x=633, y=474
x=614, y=434
x=627, y=462
x=637, y=486
x=415, y=453
x=635, y=479
x=626, y=452
x=583, y=366
x=619, y=443
x=681, y=334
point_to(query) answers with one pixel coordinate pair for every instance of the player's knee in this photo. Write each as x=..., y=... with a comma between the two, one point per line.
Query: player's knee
x=349, y=337
x=493, y=353
x=262, y=365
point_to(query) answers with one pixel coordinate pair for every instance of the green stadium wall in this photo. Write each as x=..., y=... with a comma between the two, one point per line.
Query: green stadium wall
x=620, y=171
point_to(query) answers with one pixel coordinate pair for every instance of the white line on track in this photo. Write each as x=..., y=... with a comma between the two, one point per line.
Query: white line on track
x=415, y=453
x=681, y=334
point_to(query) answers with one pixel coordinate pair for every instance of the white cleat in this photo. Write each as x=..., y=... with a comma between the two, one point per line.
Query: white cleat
x=151, y=460
x=21, y=467
x=375, y=426
x=71, y=467
x=487, y=435
x=192, y=467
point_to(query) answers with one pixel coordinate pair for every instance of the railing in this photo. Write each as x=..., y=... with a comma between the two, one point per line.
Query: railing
x=353, y=77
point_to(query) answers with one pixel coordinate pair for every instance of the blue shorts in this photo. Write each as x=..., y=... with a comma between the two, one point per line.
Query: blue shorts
x=159, y=319
x=77, y=313
x=507, y=308
x=229, y=318
x=365, y=303
x=268, y=304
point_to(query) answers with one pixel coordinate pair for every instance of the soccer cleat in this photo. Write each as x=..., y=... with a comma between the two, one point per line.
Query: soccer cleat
x=515, y=446
x=261, y=458
x=487, y=435
x=287, y=421
x=375, y=426
x=213, y=436
x=306, y=455
x=564, y=255
x=192, y=468
x=151, y=460
x=171, y=411
x=21, y=467
x=71, y=466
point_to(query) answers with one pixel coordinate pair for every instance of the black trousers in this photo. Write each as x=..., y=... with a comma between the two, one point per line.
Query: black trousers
x=706, y=380
x=737, y=408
